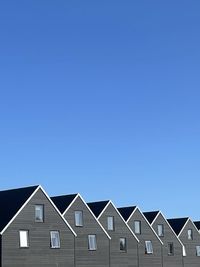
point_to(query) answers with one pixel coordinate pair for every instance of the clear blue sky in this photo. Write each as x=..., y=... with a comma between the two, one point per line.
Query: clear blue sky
x=103, y=98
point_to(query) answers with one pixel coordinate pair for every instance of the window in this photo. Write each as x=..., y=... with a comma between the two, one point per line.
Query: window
x=170, y=249
x=78, y=218
x=137, y=227
x=39, y=213
x=122, y=244
x=184, y=251
x=55, y=239
x=110, y=223
x=92, y=242
x=160, y=230
x=190, y=234
x=198, y=251
x=23, y=239
x=148, y=247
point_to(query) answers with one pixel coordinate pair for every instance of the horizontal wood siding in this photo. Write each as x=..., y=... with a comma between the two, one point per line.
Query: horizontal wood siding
x=175, y=260
x=150, y=260
x=119, y=258
x=84, y=257
x=191, y=260
x=39, y=253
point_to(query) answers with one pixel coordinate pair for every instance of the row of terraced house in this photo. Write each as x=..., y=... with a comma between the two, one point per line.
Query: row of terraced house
x=65, y=231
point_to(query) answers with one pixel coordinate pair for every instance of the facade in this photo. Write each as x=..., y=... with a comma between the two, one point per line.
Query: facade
x=124, y=243
x=33, y=232
x=150, y=245
x=92, y=241
x=172, y=246
x=190, y=237
x=64, y=231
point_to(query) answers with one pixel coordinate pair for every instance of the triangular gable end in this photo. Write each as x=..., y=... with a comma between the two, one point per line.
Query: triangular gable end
x=90, y=211
x=189, y=220
x=39, y=187
x=137, y=208
x=110, y=202
x=160, y=213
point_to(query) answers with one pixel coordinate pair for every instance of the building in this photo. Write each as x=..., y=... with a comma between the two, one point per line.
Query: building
x=197, y=224
x=150, y=245
x=124, y=243
x=92, y=241
x=33, y=231
x=172, y=246
x=190, y=237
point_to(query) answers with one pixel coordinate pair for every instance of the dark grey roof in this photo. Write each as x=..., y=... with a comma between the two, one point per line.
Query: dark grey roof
x=150, y=215
x=126, y=211
x=63, y=202
x=197, y=224
x=97, y=207
x=177, y=224
x=11, y=201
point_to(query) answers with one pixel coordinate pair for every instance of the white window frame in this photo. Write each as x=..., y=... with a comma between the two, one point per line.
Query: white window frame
x=160, y=230
x=55, y=234
x=122, y=244
x=24, y=238
x=190, y=234
x=198, y=251
x=110, y=223
x=148, y=247
x=39, y=218
x=137, y=227
x=78, y=217
x=170, y=245
x=92, y=242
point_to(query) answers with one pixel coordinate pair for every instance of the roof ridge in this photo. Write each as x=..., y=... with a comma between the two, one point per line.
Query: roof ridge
x=20, y=188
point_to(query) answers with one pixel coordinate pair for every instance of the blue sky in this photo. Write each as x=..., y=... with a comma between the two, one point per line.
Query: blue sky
x=102, y=98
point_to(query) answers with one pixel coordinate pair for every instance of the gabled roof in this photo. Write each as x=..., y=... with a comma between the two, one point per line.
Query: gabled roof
x=151, y=215
x=177, y=224
x=97, y=207
x=63, y=202
x=131, y=211
x=11, y=201
x=197, y=224
x=126, y=211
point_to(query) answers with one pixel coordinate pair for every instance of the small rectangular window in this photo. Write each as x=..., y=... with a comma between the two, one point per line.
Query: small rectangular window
x=148, y=247
x=122, y=244
x=110, y=223
x=198, y=251
x=92, y=242
x=39, y=213
x=78, y=218
x=23, y=239
x=137, y=227
x=55, y=239
x=184, y=251
x=160, y=230
x=190, y=234
x=170, y=249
